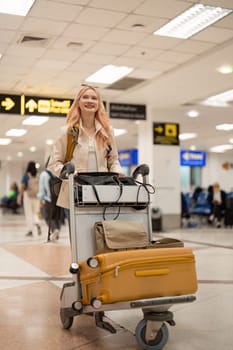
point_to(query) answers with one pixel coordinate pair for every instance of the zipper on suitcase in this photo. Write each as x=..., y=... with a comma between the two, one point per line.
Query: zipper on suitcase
x=145, y=263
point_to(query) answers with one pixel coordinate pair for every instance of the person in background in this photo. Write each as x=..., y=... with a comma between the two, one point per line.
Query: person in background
x=195, y=195
x=95, y=148
x=51, y=213
x=28, y=197
x=217, y=199
x=10, y=199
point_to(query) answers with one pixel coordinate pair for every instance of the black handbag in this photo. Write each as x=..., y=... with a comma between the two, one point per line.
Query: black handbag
x=97, y=178
x=55, y=186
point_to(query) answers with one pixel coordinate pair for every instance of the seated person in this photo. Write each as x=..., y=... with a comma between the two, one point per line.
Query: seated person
x=10, y=199
x=217, y=199
x=196, y=193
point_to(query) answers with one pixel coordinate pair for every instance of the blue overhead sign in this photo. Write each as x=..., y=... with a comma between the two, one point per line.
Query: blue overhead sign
x=128, y=157
x=192, y=158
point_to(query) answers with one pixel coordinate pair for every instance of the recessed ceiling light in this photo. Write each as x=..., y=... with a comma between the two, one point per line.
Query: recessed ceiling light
x=35, y=120
x=193, y=148
x=231, y=140
x=221, y=148
x=192, y=21
x=225, y=69
x=193, y=114
x=49, y=142
x=8, y=158
x=5, y=141
x=224, y=127
x=16, y=132
x=220, y=100
x=16, y=7
x=20, y=154
x=109, y=74
x=186, y=136
x=32, y=149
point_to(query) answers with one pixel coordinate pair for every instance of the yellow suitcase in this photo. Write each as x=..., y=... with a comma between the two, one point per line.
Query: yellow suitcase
x=138, y=274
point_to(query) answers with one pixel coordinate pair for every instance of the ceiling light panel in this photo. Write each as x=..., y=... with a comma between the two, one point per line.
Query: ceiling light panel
x=5, y=141
x=220, y=100
x=192, y=21
x=34, y=120
x=109, y=74
x=224, y=127
x=16, y=132
x=187, y=136
x=16, y=7
x=221, y=148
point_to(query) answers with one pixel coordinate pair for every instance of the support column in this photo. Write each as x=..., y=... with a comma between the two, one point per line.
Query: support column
x=164, y=163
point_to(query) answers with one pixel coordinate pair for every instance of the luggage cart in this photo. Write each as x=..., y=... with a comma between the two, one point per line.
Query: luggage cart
x=152, y=331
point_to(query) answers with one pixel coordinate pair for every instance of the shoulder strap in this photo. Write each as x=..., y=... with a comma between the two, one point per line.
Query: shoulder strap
x=72, y=139
x=50, y=174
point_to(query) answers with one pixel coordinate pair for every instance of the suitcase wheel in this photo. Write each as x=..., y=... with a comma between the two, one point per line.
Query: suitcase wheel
x=157, y=343
x=93, y=263
x=66, y=321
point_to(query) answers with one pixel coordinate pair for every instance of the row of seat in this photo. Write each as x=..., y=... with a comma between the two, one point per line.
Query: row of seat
x=201, y=207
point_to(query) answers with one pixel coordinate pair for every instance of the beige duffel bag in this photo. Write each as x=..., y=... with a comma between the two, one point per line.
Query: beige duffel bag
x=113, y=235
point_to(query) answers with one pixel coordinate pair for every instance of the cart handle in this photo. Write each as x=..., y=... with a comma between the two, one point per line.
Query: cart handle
x=67, y=169
x=142, y=169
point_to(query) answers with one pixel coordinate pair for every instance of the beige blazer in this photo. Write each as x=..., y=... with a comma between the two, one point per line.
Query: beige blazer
x=105, y=162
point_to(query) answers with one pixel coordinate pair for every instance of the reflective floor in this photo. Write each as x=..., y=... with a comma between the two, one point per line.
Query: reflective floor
x=32, y=273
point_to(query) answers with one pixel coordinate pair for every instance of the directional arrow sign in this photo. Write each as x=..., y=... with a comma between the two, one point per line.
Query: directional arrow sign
x=46, y=106
x=192, y=158
x=10, y=104
x=31, y=106
x=166, y=134
x=185, y=155
x=159, y=129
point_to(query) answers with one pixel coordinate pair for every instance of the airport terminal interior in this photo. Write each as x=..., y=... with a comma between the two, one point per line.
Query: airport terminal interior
x=171, y=109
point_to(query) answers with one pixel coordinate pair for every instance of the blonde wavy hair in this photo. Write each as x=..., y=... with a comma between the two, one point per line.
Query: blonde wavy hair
x=74, y=115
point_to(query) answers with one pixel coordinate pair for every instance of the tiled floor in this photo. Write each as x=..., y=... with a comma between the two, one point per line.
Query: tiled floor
x=32, y=273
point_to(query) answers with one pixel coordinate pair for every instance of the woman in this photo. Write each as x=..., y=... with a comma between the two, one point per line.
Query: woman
x=95, y=148
x=28, y=196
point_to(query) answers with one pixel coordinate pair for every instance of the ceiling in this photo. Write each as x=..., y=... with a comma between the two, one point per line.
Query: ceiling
x=80, y=36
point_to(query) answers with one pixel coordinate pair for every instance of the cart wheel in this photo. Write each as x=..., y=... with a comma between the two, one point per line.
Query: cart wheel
x=66, y=321
x=155, y=344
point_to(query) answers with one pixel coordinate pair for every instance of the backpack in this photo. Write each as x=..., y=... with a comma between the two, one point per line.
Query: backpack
x=54, y=181
x=33, y=186
x=54, y=212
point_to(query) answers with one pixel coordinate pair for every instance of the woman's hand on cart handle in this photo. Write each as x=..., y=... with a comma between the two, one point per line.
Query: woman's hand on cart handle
x=67, y=169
